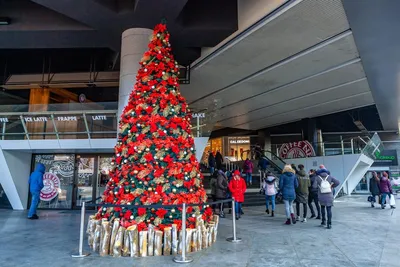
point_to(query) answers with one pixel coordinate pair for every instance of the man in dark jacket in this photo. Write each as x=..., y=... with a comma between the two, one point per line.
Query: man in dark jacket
x=262, y=166
x=211, y=162
x=221, y=190
x=374, y=188
x=219, y=160
x=35, y=186
x=313, y=196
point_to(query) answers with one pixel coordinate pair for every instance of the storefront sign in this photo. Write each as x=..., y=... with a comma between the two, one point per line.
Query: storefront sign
x=51, y=186
x=198, y=115
x=35, y=119
x=300, y=149
x=99, y=118
x=240, y=141
x=385, y=158
x=3, y=119
x=67, y=118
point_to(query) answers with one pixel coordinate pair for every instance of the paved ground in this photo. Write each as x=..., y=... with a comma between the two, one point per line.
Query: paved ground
x=361, y=236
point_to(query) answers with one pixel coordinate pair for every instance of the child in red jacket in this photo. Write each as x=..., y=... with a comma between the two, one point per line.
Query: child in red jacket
x=237, y=186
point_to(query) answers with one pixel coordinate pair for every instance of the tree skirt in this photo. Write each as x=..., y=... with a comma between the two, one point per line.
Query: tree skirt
x=115, y=240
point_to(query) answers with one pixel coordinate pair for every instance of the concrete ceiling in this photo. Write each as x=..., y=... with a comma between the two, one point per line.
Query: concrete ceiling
x=300, y=61
x=193, y=24
x=376, y=32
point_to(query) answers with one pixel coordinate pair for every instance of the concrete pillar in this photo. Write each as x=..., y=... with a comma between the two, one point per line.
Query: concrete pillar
x=134, y=44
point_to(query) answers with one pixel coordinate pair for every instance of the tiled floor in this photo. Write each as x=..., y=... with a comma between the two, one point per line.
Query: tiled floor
x=361, y=237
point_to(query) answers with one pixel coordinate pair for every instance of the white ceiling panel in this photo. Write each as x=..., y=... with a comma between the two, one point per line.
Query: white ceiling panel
x=338, y=75
x=304, y=25
x=337, y=52
x=303, y=101
x=319, y=109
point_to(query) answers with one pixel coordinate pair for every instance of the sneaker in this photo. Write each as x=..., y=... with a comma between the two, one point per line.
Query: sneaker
x=293, y=218
x=318, y=218
x=222, y=215
x=267, y=211
x=288, y=222
x=35, y=217
x=312, y=216
x=329, y=226
x=372, y=205
x=237, y=217
x=382, y=207
x=272, y=214
x=323, y=223
x=298, y=218
x=392, y=207
x=304, y=220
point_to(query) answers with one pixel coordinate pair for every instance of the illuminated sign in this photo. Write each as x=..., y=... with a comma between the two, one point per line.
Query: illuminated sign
x=99, y=118
x=35, y=119
x=67, y=118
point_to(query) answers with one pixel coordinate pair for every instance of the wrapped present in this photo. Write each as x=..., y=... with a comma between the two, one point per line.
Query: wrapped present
x=158, y=243
x=113, y=235
x=106, y=237
x=127, y=245
x=143, y=243
x=134, y=240
x=96, y=240
x=174, y=239
x=150, y=241
x=167, y=241
x=119, y=241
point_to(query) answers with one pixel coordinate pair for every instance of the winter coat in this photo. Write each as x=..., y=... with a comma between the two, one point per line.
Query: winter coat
x=237, y=188
x=219, y=160
x=36, y=178
x=269, y=186
x=304, y=182
x=287, y=185
x=374, y=187
x=325, y=199
x=211, y=161
x=213, y=185
x=222, y=185
x=385, y=185
x=263, y=163
x=313, y=190
x=248, y=166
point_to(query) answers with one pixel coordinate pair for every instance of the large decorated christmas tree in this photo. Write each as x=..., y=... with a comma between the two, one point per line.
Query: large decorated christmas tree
x=155, y=160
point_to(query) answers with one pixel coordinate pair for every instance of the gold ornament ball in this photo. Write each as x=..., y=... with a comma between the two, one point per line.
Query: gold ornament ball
x=148, y=220
x=150, y=189
x=191, y=190
x=135, y=171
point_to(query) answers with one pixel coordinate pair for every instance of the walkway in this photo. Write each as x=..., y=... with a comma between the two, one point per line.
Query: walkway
x=361, y=236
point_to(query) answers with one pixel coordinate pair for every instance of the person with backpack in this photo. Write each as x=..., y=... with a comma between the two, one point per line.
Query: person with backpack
x=302, y=192
x=386, y=189
x=325, y=184
x=374, y=182
x=313, y=196
x=287, y=186
x=237, y=186
x=248, y=170
x=269, y=187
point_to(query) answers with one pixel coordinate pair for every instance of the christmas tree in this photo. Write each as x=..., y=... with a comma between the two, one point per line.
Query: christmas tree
x=155, y=160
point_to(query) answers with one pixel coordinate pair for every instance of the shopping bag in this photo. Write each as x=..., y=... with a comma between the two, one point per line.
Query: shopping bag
x=392, y=201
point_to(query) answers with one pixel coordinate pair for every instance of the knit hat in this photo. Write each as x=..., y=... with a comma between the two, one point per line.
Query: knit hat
x=236, y=172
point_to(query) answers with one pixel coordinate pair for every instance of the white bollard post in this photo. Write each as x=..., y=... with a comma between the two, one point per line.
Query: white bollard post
x=182, y=258
x=234, y=239
x=81, y=254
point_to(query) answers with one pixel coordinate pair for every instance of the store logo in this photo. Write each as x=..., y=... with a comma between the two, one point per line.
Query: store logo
x=51, y=186
x=300, y=149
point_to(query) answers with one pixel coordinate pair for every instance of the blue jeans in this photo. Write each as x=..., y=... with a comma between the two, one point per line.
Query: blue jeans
x=267, y=199
x=288, y=208
x=249, y=179
x=238, y=208
x=212, y=170
x=34, y=203
x=384, y=196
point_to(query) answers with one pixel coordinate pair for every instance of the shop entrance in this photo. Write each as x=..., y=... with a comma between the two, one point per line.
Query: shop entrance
x=71, y=179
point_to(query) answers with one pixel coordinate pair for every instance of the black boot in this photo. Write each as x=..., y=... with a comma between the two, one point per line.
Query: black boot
x=272, y=214
x=230, y=211
x=267, y=211
x=323, y=223
x=329, y=226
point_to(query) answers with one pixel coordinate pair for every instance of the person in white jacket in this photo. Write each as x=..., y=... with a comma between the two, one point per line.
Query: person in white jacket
x=269, y=186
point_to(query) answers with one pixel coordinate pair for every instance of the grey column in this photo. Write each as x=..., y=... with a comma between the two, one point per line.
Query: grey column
x=134, y=44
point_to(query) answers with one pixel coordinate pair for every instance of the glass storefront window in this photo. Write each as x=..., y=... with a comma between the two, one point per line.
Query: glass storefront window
x=103, y=174
x=57, y=180
x=239, y=147
x=4, y=203
x=102, y=125
x=12, y=128
x=86, y=174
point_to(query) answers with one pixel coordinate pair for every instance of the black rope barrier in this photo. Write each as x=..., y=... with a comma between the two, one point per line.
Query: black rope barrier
x=133, y=206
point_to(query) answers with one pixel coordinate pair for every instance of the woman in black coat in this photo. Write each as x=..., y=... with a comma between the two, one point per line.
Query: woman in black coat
x=374, y=188
x=221, y=190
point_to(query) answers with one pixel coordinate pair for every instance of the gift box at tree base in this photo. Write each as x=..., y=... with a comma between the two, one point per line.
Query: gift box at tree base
x=154, y=163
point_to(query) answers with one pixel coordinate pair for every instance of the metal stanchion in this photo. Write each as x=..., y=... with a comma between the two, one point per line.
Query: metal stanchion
x=182, y=258
x=234, y=239
x=81, y=254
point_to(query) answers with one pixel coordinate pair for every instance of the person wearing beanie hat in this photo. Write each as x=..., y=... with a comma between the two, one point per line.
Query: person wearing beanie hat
x=287, y=185
x=237, y=186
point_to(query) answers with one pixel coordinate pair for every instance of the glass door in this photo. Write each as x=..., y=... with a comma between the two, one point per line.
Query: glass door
x=363, y=185
x=103, y=173
x=85, y=178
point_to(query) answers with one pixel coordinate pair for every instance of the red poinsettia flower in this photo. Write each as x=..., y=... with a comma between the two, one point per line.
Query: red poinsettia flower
x=141, y=211
x=161, y=213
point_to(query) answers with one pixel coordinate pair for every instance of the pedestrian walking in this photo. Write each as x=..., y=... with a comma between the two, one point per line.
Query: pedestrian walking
x=386, y=189
x=221, y=190
x=248, y=170
x=211, y=162
x=219, y=160
x=374, y=188
x=35, y=186
x=325, y=184
x=269, y=187
x=237, y=186
x=287, y=185
x=302, y=192
x=313, y=196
